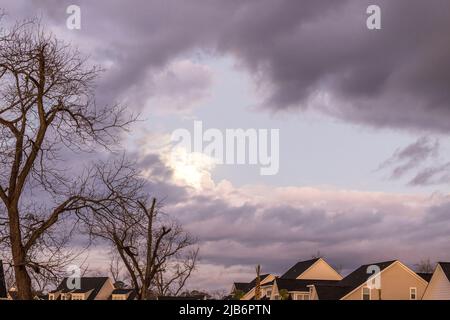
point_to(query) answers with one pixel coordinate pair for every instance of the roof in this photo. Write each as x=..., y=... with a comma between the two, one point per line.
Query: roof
x=261, y=278
x=13, y=294
x=3, y=292
x=87, y=284
x=425, y=276
x=446, y=268
x=301, y=285
x=331, y=292
x=298, y=269
x=338, y=289
x=247, y=286
x=242, y=286
x=268, y=284
x=122, y=291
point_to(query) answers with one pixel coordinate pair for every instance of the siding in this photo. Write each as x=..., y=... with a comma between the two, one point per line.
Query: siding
x=106, y=291
x=439, y=286
x=320, y=271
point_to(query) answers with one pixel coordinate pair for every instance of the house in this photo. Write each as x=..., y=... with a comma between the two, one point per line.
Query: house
x=13, y=294
x=296, y=289
x=306, y=272
x=242, y=287
x=266, y=283
x=396, y=282
x=3, y=291
x=297, y=280
x=439, y=285
x=91, y=288
x=187, y=297
x=123, y=294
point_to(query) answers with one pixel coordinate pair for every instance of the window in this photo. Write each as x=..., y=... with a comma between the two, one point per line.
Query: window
x=412, y=293
x=276, y=297
x=51, y=296
x=268, y=293
x=78, y=296
x=302, y=296
x=366, y=293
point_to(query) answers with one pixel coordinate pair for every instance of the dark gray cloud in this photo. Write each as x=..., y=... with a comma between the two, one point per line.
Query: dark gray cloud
x=411, y=157
x=438, y=174
x=420, y=161
x=276, y=235
x=394, y=77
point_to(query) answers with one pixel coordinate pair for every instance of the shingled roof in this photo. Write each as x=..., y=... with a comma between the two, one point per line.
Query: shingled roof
x=298, y=269
x=425, y=276
x=242, y=286
x=91, y=285
x=247, y=286
x=301, y=285
x=446, y=268
x=360, y=275
x=337, y=290
x=331, y=292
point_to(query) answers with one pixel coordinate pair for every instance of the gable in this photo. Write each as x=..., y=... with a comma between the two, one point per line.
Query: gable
x=445, y=266
x=439, y=286
x=396, y=281
x=320, y=270
x=92, y=285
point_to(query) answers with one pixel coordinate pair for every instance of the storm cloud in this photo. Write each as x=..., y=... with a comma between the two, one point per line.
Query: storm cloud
x=304, y=54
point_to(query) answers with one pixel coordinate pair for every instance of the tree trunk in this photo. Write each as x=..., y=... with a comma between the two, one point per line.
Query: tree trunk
x=23, y=280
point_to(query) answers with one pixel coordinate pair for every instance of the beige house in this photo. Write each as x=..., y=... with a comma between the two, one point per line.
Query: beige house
x=124, y=294
x=296, y=289
x=266, y=287
x=91, y=288
x=390, y=280
x=439, y=285
x=304, y=271
x=295, y=280
x=314, y=269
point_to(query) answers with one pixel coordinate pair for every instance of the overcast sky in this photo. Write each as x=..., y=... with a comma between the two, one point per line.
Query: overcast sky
x=363, y=118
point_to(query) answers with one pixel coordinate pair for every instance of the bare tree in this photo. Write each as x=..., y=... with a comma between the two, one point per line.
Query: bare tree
x=425, y=266
x=317, y=255
x=115, y=268
x=171, y=280
x=158, y=255
x=47, y=110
